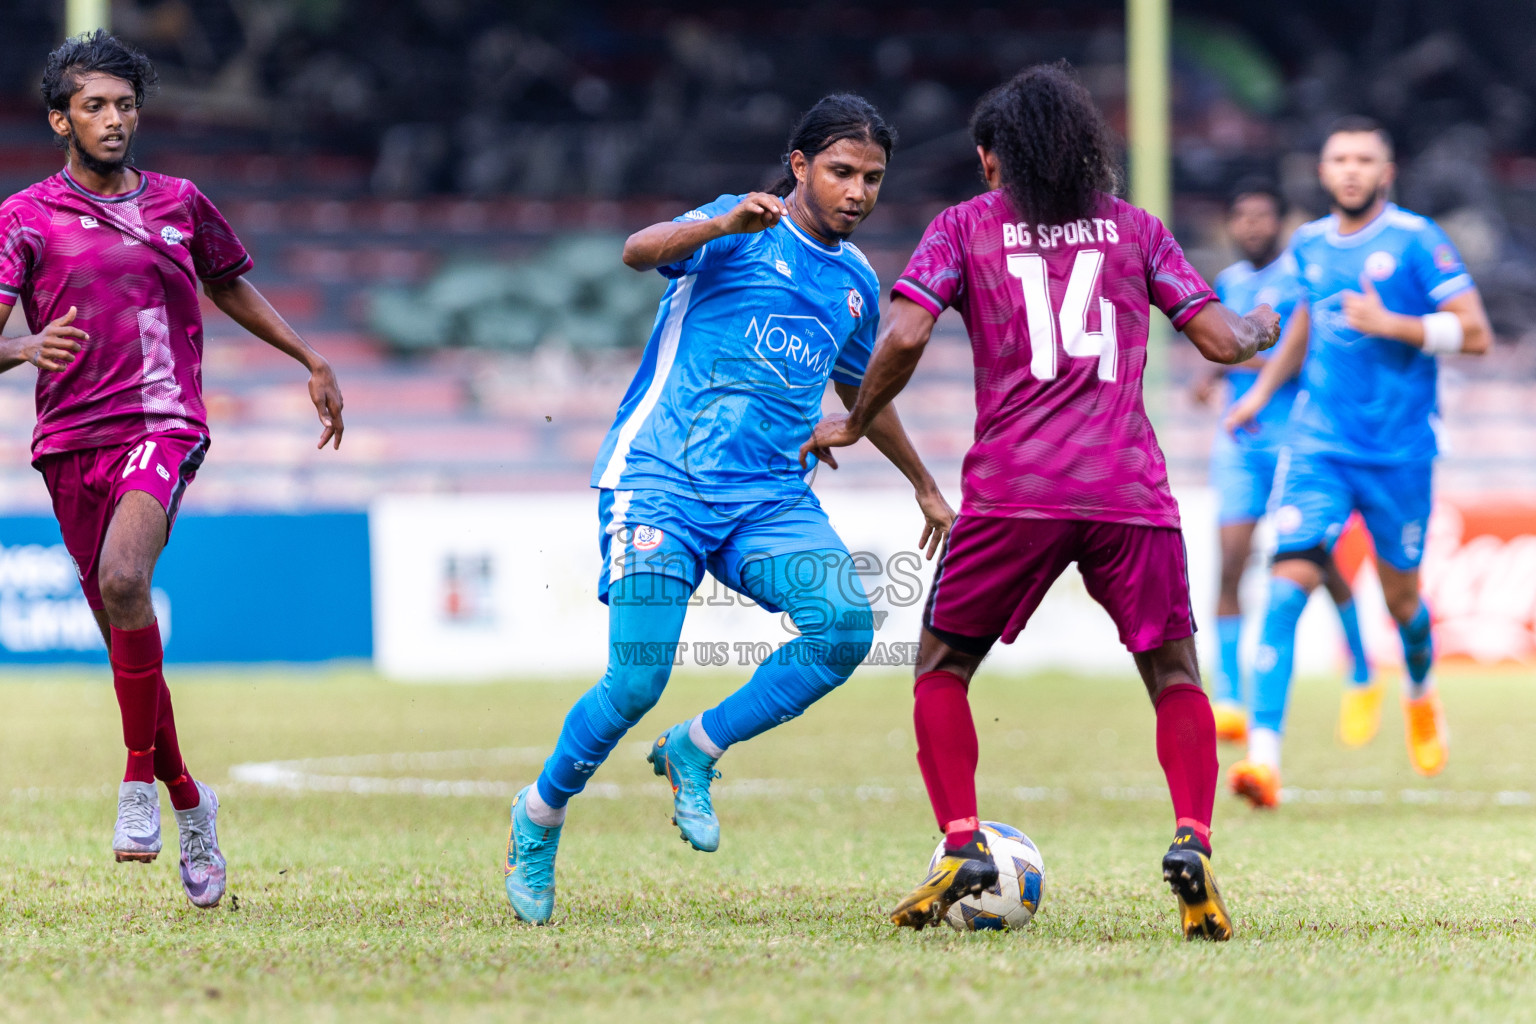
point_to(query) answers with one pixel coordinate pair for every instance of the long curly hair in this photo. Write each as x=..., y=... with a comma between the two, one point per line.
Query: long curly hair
x=1054, y=149
x=833, y=118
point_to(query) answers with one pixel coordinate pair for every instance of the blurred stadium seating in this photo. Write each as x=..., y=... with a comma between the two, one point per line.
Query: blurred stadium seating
x=435, y=195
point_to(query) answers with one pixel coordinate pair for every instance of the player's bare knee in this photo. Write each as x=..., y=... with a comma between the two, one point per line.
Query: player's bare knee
x=1403, y=607
x=1171, y=664
x=1231, y=577
x=1304, y=567
x=124, y=588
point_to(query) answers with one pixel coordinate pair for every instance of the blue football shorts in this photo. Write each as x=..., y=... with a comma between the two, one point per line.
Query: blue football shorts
x=1317, y=492
x=750, y=546
x=1243, y=473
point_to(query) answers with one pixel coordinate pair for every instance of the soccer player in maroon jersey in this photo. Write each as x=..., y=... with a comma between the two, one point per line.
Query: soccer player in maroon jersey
x=1054, y=276
x=105, y=260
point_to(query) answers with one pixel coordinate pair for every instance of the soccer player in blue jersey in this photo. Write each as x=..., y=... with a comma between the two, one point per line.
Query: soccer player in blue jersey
x=701, y=472
x=1243, y=464
x=1385, y=294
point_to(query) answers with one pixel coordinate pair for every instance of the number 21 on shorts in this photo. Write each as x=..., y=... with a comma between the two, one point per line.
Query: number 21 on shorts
x=138, y=461
x=1076, y=339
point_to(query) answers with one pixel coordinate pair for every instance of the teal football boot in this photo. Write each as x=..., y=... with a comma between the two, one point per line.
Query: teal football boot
x=690, y=771
x=530, y=867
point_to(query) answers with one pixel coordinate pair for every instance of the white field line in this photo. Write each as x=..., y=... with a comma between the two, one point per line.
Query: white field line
x=379, y=774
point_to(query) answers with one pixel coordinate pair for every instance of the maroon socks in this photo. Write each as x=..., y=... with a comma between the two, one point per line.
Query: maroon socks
x=947, y=753
x=1186, y=748
x=136, y=678
x=149, y=725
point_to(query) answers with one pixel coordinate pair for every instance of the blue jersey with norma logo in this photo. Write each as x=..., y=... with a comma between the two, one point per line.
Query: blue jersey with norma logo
x=732, y=379
x=1241, y=287
x=1368, y=399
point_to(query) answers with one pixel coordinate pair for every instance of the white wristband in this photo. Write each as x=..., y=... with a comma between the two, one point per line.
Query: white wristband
x=1442, y=333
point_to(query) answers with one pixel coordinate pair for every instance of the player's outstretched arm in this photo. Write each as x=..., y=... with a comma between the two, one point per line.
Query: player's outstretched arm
x=673, y=240
x=888, y=435
x=250, y=309
x=1458, y=325
x=1224, y=337
x=903, y=336
x=53, y=350
x=1281, y=367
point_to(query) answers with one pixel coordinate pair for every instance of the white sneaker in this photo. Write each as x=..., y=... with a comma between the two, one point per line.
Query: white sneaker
x=202, y=863
x=137, y=835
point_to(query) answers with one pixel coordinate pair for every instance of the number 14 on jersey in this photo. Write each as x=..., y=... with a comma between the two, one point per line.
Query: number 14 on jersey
x=1074, y=336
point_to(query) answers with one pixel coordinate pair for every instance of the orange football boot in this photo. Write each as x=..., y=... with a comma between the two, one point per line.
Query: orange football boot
x=1427, y=748
x=1257, y=783
x=1231, y=722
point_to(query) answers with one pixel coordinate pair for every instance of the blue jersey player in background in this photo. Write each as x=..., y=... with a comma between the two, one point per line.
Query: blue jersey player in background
x=1243, y=464
x=1385, y=294
x=701, y=473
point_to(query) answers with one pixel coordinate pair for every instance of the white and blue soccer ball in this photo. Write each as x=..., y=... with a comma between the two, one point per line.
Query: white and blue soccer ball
x=1012, y=902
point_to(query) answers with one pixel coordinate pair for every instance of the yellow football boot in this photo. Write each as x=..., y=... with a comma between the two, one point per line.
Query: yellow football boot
x=1257, y=783
x=1203, y=913
x=1427, y=748
x=1231, y=722
x=965, y=872
x=1360, y=714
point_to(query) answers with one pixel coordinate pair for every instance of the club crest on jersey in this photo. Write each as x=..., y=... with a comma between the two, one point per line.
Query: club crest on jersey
x=89, y=222
x=855, y=303
x=648, y=538
x=1379, y=265
x=171, y=236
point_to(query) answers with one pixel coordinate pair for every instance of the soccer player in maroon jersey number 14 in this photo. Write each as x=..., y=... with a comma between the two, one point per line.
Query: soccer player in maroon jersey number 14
x=105, y=260
x=1053, y=277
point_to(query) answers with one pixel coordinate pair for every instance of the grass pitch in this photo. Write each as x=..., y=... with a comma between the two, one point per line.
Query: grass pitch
x=1373, y=895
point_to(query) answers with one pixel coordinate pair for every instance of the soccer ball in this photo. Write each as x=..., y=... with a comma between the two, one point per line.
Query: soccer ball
x=1020, y=884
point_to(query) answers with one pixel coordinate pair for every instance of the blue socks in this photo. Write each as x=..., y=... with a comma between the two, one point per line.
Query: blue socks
x=593, y=727
x=645, y=618
x=1229, y=683
x=1277, y=653
x=1418, y=651
x=832, y=614
x=781, y=689
x=1350, y=620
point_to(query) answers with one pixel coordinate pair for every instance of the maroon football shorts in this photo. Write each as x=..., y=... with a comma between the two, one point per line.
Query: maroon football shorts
x=996, y=569
x=86, y=486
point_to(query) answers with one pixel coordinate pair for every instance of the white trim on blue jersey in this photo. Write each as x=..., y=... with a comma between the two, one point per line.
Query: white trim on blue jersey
x=795, y=229
x=666, y=354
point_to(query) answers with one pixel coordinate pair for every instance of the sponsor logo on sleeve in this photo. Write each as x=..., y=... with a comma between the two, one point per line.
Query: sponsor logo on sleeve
x=1445, y=258
x=855, y=303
